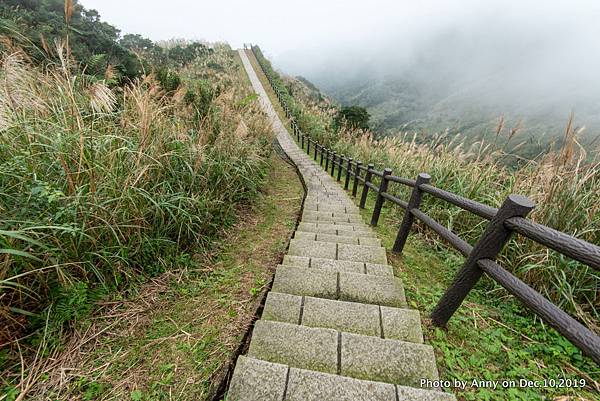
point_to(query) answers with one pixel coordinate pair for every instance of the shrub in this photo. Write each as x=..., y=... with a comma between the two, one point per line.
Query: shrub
x=168, y=80
x=352, y=117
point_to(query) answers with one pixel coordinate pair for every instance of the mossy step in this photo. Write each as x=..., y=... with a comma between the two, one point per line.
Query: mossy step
x=329, y=250
x=348, y=230
x=340, y=239
x=350, y=317
x=257, y=380
x=353, y=287
x=346, y=354
x=344, y=266
x=312, y=216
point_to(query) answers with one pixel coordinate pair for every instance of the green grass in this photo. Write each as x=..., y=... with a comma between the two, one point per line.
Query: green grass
x=168, y=339
x=98, y=192
x=492, y=336
x=101, y=193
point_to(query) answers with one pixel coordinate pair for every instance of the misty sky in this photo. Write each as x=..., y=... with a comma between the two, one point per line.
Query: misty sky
x=319, y=29
x=516, y=48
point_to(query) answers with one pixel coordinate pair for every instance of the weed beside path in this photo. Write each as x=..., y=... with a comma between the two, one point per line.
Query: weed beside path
x=167, y=340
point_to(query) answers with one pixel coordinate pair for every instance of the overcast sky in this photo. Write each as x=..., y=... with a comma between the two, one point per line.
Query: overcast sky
x=316, y=29
x=522, y=48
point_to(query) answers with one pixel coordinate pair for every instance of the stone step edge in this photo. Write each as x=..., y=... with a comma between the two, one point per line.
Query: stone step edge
x=352, y=317
x=338, y=251
x=258, y=380
x=337, y=265
x=336, y=238
x=343, y=286
x=361, y=225
x=346, y=354
x=345, y=229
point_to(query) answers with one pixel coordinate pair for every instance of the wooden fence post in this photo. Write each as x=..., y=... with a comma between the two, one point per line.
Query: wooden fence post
x=489, y=245
x=380, y=199
x=339, y=173
x=356, y=175
x=326, y=160
x=348, y=168
x=413, y=203
x=316, y=149
x=365, y=191
x=333, y=162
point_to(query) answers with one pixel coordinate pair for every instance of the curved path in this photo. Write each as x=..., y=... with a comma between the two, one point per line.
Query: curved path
x=335, y=324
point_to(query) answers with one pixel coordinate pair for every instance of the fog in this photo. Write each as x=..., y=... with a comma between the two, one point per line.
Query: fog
x=535, y=42
x=518, y=56
x=540, y=57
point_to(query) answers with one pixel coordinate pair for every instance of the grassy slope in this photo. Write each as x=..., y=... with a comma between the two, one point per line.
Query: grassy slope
x=166, y=338
x=491, y=337
x=167, y=341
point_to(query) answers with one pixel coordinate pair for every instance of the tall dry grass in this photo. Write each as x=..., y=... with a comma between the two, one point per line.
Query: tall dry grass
x=565, y=191
x=100, y=186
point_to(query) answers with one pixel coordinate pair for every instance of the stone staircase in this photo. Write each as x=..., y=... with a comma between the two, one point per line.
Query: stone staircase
x=335, y=325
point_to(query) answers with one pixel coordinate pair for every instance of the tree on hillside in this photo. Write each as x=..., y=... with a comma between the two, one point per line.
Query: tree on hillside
x=354, y=117
x=183, y=55
x=35, y=25
x=136, y=42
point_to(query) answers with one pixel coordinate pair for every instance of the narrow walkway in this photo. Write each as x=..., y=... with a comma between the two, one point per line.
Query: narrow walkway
x=334, y=326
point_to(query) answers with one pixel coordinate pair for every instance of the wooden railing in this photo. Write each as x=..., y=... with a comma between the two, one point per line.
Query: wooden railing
x=480, y=259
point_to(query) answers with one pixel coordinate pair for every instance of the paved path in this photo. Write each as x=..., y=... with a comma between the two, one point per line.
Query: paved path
x=335, y=324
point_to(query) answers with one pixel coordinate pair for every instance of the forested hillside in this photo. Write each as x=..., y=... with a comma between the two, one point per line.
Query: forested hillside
x=406, y=105
x=501, y=77
x=97, y=47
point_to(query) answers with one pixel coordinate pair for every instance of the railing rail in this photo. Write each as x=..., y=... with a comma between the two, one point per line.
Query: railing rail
x=480, y=258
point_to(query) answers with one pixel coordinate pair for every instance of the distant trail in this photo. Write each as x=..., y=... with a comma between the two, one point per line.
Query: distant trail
x=334, y=325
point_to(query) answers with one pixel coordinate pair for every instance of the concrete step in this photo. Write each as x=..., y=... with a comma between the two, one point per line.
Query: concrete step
x=313, y=205
x=339, y=222
x=361, y=230
x=347, y=354
x=341, y=239
x=343, y=266
x=335, y=212
x=327, y=207
x=338, y=251
x=353, y=287
x=319, y=189
x=258, y=380
x=339, y=199
x=319, y=200
x=351, y=317
x=325, y=217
